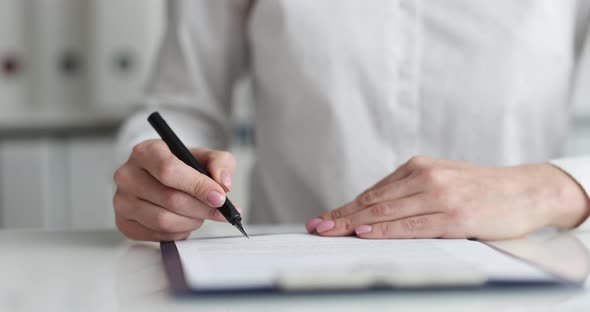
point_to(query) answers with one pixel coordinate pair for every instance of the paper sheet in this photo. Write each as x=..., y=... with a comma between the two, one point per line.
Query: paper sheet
x=304, y=260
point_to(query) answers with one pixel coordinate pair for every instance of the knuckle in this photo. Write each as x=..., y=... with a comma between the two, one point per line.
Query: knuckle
x=336, y=214
x=432, y=176
x=412, y=225
x=139, y=150
x=199, y=186
x=173, y=199
x=166, y=170
x=429, y=174
x=147, y=148
x=382, y=210
x=386, y=230
x=417, y=161
x=164, y=222
x=121, y=176
x=368, y=197
x=155, y=145
x=347, y=225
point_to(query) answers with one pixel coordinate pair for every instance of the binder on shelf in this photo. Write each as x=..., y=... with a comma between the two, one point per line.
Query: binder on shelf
x=124, y=37
x=59, y=43
x=13, y=65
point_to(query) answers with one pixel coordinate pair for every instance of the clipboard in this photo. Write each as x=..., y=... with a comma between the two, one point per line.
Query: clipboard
x=180, y=286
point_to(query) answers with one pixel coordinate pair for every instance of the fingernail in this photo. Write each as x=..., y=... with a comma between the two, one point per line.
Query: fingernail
x=226, y=179
x=215, y=198
x=363, y=229
x=325, y=226
x=312, y=224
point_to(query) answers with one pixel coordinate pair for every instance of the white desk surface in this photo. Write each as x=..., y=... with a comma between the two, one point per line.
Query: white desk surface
x=102, y=271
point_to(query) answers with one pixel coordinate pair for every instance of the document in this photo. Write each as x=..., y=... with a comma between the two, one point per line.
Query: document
x=304, y=261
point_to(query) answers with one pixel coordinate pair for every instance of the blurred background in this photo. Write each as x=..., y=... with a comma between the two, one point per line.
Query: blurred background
x=70, y=72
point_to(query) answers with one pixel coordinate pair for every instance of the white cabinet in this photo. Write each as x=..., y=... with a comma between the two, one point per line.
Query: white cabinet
x=56, y=182
x=31, y=183
x=90, y=169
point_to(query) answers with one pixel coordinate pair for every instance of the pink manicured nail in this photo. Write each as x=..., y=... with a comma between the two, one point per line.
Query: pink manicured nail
x=363, y=229
x=325, y=226
x=226, y=179
x=215, y=198
x=312, y=224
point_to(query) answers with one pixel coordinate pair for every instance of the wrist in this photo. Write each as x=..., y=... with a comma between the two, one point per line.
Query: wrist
x=565, y=202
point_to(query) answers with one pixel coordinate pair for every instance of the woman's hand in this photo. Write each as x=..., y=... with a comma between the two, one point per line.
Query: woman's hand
x=428, y=198
x=161, y=198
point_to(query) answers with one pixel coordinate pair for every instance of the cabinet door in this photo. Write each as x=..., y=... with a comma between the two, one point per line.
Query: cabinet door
x=90, y=170
x=33, y=184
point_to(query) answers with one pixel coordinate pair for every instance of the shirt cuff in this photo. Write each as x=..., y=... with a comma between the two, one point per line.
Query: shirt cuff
x=579, y=169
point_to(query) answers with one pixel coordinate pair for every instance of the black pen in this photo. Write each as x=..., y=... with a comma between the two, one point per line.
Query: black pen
x=228, y=210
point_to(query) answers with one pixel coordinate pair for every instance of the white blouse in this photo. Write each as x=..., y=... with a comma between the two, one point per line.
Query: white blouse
x=346, y=90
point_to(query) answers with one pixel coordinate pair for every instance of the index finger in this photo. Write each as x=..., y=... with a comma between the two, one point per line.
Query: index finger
x=159, y=161
x=359, y=202
x=387, y=190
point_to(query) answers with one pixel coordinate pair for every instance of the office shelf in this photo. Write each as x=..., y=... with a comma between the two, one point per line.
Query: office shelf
x=63, y=121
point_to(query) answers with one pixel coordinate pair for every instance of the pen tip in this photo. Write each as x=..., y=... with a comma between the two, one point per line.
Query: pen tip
x=241, y=229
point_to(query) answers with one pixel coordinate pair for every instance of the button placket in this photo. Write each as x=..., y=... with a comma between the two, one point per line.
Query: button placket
x=404, y=95
x=392, y=54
